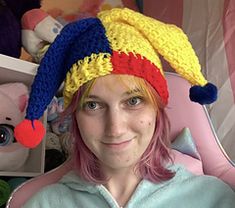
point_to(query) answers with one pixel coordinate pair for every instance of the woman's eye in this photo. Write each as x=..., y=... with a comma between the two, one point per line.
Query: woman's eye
x=134, y=101
x=91, y=105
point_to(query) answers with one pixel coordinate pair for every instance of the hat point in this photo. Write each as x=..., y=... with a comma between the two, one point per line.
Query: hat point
x=29, y=133
x=206, y=94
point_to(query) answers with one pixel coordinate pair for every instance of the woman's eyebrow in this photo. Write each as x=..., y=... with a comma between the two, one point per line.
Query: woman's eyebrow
x=132, y=91
x=92, y=97
x=127, y=93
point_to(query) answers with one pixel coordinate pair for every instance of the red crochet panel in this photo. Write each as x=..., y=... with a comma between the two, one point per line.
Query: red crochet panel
x=141, y=67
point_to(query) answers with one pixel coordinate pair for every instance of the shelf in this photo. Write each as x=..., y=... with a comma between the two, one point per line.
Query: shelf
x=17, y=70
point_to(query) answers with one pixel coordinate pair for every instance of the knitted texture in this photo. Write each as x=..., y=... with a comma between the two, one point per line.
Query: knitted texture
x=129, y=33
x=136, y=65
x=119, y=63
x=118, y=41
x=84, y=51
x=169, y=40
x=89, y=37
x=84, y=70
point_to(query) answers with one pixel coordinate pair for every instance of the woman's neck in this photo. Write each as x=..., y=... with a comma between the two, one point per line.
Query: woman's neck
x=122, y=184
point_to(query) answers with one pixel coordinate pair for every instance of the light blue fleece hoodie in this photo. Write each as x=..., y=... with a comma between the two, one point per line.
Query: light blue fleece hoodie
x=185, y=190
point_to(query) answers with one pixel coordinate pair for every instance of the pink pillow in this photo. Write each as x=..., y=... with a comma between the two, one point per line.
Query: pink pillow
x=184, y=152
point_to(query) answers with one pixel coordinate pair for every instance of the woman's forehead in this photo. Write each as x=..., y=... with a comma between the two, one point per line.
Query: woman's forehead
x=115, y=83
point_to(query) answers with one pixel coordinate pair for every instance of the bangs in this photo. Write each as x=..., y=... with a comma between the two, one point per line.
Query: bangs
x=139, y=85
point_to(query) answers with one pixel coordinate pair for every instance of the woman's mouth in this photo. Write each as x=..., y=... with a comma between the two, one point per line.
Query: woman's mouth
x=117, y=145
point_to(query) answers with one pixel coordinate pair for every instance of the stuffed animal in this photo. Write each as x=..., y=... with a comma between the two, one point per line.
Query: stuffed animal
x=39, y=30
x=11, y=12
x=55, y=109
x=14, y=99
x=84, y=9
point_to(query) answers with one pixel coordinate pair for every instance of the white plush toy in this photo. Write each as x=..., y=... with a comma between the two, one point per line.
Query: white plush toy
x=14, y=99
x=39, y=30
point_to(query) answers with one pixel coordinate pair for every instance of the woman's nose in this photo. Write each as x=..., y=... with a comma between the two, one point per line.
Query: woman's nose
x=116, y=124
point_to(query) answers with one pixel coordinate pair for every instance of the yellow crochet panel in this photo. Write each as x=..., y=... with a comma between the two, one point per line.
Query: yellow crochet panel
x=125, y=38
x=168, y=40
x=128, y=31
x=85, y=70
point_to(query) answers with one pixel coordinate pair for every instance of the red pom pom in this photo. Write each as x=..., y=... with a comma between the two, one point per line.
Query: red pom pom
x=29, y=133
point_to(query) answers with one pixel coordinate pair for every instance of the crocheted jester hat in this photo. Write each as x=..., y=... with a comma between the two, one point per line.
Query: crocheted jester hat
x=118, y=41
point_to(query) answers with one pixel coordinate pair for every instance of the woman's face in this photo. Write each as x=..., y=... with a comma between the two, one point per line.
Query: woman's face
x=116, y=122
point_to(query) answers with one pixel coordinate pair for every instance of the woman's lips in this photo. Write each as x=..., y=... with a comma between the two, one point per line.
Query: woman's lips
x=119, y=145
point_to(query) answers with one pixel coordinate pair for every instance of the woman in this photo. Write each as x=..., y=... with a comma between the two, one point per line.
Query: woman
x=116, y=92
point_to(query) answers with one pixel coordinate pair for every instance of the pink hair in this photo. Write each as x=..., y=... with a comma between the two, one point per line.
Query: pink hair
x=152, y=164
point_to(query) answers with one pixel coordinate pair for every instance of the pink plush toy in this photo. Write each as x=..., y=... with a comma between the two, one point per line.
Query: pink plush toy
x=38, y=30
x=14, y=98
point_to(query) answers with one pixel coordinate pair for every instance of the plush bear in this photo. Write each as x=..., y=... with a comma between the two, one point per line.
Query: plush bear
x=14, y=99
x=11, y=12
